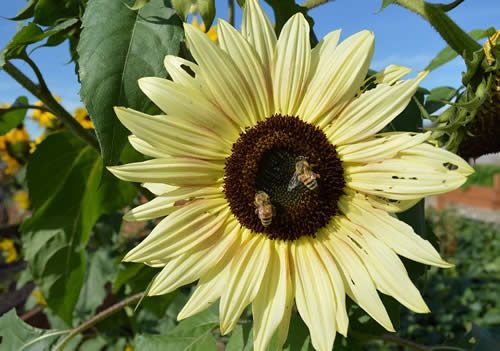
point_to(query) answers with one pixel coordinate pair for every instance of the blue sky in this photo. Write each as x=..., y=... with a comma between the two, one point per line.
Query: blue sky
x=401, y=37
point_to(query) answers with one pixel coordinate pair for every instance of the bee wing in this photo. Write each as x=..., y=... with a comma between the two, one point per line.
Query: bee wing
x=293, y=182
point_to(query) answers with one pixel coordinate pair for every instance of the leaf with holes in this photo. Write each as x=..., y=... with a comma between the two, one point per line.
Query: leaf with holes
x=117, y=47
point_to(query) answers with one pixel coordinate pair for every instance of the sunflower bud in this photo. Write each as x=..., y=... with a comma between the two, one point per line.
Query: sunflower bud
x=470, y=127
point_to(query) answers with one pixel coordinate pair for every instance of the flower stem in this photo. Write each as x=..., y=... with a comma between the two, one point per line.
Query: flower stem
x=436, y=15
x=43, y=93
x=97, y=318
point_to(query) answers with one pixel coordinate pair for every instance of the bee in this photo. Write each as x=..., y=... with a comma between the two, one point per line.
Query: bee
x=264, y=208
x=303, y=174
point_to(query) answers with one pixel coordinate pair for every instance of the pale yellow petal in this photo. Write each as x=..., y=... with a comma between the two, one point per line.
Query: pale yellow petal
x=391, y=74
x=173, y=135
x=415, y=172
x=372, y=111
x=314, y=294
x=274, y=301
x=245, y=276
x=358, y=282
x=222, y=78
x=158, y=188
x=385, y=267
x=396, y=234
x=182, y=71
x=247, y=61
x=182, y=231
x=209, y=289
x=335, y=277
x=380, y=147
x=187, y=102
x=146, y=148
x=291, y=65
x=175, y=171
x=258, y=30
x=339, y=74
x=188, y=267
x=169, y=202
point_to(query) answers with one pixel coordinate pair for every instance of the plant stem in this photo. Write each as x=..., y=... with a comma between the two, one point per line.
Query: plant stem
x=97, y=318
x=230, y=9
x=42, y=92
x=310, y=4
x=39, y=76
x=404, y=342
x=435, y=14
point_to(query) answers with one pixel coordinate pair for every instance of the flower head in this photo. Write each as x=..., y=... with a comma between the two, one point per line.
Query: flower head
x=22, y=199
x=277, y=184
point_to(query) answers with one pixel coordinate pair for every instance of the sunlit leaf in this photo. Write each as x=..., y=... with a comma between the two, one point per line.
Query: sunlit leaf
x=12, y=118
x=68, y=197
x=182, y=7
x=117, y=47
x=138, y=4
x=448, y=54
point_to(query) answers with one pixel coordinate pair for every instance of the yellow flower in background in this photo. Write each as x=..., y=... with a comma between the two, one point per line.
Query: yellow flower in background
x=44, y=118
x=38, y=296
x=83, y=117
x=9, y=251
x=36, y=142
x=128, y=347
x=212, y=32
x=278, y=187
x=11, y=164
x=17, y=135
x=22, y=199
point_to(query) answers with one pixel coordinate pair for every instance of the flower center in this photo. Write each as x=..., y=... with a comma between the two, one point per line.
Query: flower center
x=294, y=169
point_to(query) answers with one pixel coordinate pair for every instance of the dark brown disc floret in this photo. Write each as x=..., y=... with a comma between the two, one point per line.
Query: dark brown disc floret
x=263, y=159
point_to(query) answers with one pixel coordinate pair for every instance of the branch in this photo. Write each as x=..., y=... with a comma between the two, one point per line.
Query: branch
x=404, y=342
x=419, y=347
x=42, y=92
x=310, y=4
x=97, y=318
x=39, y=76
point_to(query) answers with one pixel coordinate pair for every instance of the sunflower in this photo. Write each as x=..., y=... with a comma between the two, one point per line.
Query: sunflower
x=267, y=116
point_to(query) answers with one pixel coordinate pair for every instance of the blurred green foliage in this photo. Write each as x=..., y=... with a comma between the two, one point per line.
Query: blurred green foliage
x=484, y=175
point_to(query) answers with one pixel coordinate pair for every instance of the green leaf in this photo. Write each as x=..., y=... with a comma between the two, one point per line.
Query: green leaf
x=26, y=12
x=192, y=334
x=207, y=12
x=117, y=47
x=182, y=7
x=298, y=336
x=12, y=118
x=126, y=272
x=438, y=97
x=31, y=33
x=68, y=197
x=17, y=335
x=138, y=4
x=49, y=12
x=385, y=3
x=240, y=339
x=448, y=54
x=101, y=270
